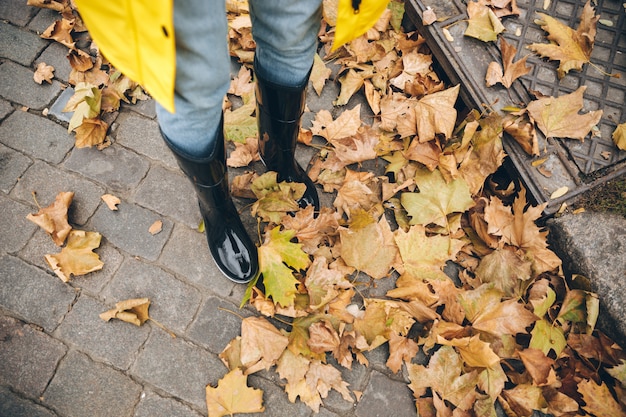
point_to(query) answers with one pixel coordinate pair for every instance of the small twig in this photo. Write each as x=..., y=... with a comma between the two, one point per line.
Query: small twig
x=34, y=194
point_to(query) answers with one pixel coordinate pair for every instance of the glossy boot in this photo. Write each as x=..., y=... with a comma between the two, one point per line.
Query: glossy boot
x=279, y=111
x=233, y=251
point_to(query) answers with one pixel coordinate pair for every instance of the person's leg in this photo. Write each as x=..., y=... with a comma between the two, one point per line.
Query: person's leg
x=285, y=32
x=195, y=134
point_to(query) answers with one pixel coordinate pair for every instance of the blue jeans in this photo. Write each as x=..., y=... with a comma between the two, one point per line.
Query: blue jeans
x=285, y=32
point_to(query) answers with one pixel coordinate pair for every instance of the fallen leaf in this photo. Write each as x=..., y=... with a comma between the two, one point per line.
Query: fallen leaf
x=435, y=113
x=111, y=201
x=156, y=227
x=512, y=70
x=598, y=399
x=60, y=31
x=429, y=17
x=44, y=72
x=319, y=74
x=346, y=125
x=133, y=311
x=76, y=258
x=244, y=153
x=619, y=136
x=571, y=48
x=53, y=219
x=261, y=344
x=240, y=124
x=232, y=395
x=91, y=132
x=483, y=23
x=85, y=103
x=401, y=350
x=350, y=84
x=546, y=337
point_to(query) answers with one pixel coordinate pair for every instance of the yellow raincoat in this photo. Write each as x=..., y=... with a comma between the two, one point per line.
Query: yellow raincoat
x=137, y=36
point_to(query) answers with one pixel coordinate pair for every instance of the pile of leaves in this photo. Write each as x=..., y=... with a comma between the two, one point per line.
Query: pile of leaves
x=509, y=327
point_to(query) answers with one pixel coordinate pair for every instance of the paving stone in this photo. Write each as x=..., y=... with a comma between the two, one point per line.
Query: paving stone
x=56, y=110
x=12, y=405
x=118, y=168
x=152, y=405
x=144, y=107
x=5, y=108
x=41, y=244
x=143, y=136
x=325, y=413
x=19, y=44
x=187, y=254
x=600, y=257
x=33, y=295
x=56, y=55
x=12, y=166
x=127, y=229
x=82, y=387
x=28, y=358
x=16, y=12
x=15, y=85
x=42, y=20
x=46, y=140
x=170, y=194
x=216, y=324
x=178, y=367
x=383, y=395
x=173, y=303
x=48, y=181
x=275, y=400
x=14, y=214
x=114, y=342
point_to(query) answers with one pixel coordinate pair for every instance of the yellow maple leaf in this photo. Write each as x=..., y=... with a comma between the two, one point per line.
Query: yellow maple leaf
x=77, y=258
x=53, y=219
x=571, y=48
x=619, y=136
x=233, y=395
x=277, y=255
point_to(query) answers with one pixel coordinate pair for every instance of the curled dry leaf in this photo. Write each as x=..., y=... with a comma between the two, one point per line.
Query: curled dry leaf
x=512, y=70
x=77, y=257
x=111, y=201
x=134, y=310
x=53, y=219
x=44, y=72
x=429, y=17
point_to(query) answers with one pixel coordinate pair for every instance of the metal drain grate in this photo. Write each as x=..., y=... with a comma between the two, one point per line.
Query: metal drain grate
x=575, y=164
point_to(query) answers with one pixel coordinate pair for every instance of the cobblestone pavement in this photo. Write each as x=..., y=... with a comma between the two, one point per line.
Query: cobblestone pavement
x=57, y=357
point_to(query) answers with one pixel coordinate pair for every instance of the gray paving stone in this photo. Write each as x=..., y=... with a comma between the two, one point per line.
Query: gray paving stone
x=43, y=19
x=28, y=358
x=12, y=166
x=216, y=324
x=113, y=342
x=41, y=244
x=170, y=194
x=19, y=45
x=15, y=85
x=56, y=55
x=383, y=395
x=45, y=139
x=16, y=12
x=5, y=108
x=127, y=229
x=152, y=405
x=144, y=107
x=143, y=136
x=33, y=295
x=14, y=214
x=187, y=254
x=12, y=405
x=118, y=168
x=593, y=245
x=357, y=378
x=325, y=413
x=48, y=181
x=178, y=367
x=275, y=400
x=56, y=110
x=173, y=303
x=82, y=387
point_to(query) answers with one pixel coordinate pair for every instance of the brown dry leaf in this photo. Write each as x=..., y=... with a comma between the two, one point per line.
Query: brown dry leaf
x=156, y=227
x=242, y=84
x=507, y=317
x=313, y=228
x=323, y=284
x=429, y=17
x=483, y=23
x=62, y=6
x=350, y=84
x=77, y=258
x=44, y=72
x=512, y=70
x=53, y=219
x=473, y=350
x=133, y=311
x=368, y=246
x=619, y=136
x=244, y=153
x=598, y=399
x=559, y=118
x=319, y=74
x=435, y=113
x=523, y=131
x=571, y=48
x=233, y=395
x=111, y=201
x=346, y=125
x=91, y=132
x=358, y=192
x=538, y=365
x=261, y=344
x=61, y=31
x=79, y=60
x=401, y=349
x=523, y=399
x=241, y=184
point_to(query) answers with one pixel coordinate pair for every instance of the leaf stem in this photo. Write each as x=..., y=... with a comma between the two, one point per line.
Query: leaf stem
x=162, y=327
x=34, y=194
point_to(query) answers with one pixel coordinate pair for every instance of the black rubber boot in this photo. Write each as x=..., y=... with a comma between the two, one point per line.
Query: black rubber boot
x=231, y=247
x=279, y=111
